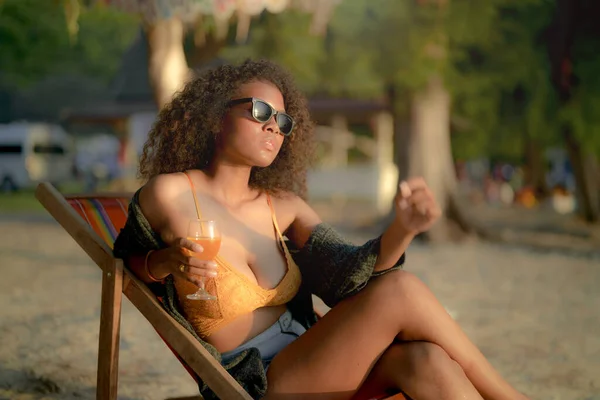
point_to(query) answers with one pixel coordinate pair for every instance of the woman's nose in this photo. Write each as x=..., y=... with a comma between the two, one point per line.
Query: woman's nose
x=271, y=125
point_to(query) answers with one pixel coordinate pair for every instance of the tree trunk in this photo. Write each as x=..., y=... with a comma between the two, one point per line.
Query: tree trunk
x=587, y=184
x=168, y=67
x=401, y=131
x=535, y=175
x=430, y=155
x=595, y=175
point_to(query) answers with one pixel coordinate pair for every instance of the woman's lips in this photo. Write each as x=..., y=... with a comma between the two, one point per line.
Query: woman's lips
x=269, y=144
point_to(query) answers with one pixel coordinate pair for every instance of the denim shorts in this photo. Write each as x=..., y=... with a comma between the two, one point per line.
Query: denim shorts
x=271, y=341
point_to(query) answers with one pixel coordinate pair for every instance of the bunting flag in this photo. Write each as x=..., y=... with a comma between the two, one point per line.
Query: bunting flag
x=251, y=7
x=321, y=11
x=223, y=10
x=72, y=11
x=152, y=10
x=276, y=6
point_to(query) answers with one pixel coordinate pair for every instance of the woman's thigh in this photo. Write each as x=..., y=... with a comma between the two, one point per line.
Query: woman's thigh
x=334, y=357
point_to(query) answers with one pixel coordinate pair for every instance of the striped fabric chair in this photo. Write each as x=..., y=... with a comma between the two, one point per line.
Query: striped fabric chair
x=105, y=215
x=94, y=222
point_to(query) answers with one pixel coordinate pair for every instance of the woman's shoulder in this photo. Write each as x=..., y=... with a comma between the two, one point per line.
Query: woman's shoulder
x=286, y=200
x=164, y=186
x=302, y=217
x=158, y=196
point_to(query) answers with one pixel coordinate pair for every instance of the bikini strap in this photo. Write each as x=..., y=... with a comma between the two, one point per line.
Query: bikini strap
x=198, y=213
x=275, y=219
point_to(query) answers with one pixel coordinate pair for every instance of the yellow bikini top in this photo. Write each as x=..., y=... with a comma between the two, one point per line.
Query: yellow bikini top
x=236, y=293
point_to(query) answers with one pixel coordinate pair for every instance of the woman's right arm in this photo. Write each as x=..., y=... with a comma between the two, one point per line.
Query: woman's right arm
x=157, y=265
x=146, y=268
x=156, y=201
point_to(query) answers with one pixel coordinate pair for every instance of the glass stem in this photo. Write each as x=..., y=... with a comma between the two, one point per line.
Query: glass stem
x=201, y=287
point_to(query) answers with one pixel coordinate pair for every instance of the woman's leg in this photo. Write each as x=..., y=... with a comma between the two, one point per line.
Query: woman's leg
x=423, y=371
x=335, y=356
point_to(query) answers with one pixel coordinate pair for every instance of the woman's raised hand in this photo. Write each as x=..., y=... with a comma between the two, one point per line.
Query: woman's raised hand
x=416, y=207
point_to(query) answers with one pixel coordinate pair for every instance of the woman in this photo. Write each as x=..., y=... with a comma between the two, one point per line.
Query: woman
x=234, y=146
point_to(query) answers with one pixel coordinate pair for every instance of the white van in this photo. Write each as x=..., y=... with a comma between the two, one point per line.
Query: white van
x=33, y=152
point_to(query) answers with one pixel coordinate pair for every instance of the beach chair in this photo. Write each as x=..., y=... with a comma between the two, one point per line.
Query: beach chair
x=94, y=221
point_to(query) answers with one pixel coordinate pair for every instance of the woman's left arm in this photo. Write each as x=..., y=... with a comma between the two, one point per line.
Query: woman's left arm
x=334, y=268
x=415, y=211
x=305, y=220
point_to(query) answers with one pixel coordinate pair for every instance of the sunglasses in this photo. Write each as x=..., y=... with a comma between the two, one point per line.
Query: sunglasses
x=263, y=112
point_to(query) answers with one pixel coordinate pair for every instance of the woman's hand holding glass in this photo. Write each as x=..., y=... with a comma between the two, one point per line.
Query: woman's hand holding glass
x=206, y=234
x=181, y=260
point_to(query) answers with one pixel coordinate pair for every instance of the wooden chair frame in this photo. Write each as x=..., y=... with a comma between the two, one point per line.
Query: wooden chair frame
x=118, y=280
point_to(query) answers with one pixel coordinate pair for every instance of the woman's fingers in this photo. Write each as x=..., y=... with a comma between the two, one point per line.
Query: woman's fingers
x=412, y=191
x=190, y=246
x=429, y=208
x=404, y=189
x=195, y=274
x=417, y=204
x=424, y=203
x=404, y=193
x=194, y=266
x=207, y=270
x=416, y=183
x=419, y=199
x=195, y=262
x=185, y=263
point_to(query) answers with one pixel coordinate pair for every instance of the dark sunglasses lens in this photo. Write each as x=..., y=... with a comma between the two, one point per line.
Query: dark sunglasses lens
x=285, y=123
x=262, y=111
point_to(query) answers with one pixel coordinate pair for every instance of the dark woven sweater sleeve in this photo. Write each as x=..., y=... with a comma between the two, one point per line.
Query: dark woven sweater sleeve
x=137, y=236
x=333, y=268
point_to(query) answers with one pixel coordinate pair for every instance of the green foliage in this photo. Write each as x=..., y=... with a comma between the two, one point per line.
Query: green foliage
x=487, y=51
x=582, y=111
x=36, y=42
x=501, y=83
x=30, y=39
x=103, y=36
x=284, y=38
x=490, y=54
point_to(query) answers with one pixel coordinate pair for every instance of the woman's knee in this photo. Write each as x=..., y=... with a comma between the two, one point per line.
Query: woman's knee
x=416, y=365
x=400, y=284
x=425, y=359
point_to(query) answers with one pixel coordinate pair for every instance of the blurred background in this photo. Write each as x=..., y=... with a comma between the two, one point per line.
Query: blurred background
x=494, y=102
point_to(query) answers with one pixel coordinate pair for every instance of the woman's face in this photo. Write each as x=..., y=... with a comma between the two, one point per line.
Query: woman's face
x=245, y=141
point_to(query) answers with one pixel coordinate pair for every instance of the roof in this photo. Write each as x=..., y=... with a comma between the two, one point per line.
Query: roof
x=132, y=81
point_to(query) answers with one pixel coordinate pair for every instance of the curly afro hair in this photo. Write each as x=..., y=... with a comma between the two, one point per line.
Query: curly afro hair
x=184, y=134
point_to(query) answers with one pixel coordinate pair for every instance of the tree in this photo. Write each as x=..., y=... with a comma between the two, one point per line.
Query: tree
x=474, y=71
x=285, y=39
x=490, y=75
x=502, y=90
x=438, y=72
x=31, y=42
x=36, y=45
x=166, y=22
x=573, y=36
x=411, y=47
x=43, y=69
